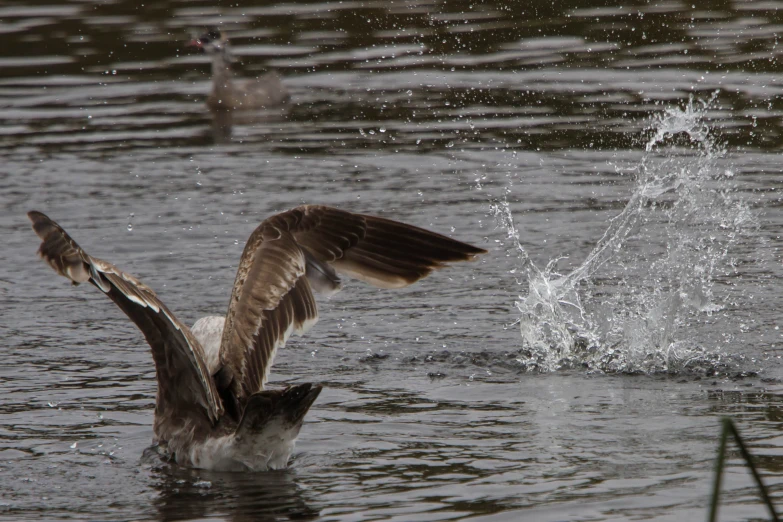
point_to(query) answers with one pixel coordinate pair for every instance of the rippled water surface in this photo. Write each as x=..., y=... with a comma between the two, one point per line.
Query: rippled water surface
x=621, y=165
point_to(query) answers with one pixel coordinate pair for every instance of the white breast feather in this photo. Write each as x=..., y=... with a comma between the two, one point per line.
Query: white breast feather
x=208, y=331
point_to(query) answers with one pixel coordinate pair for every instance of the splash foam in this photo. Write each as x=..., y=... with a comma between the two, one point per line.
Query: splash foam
x=658, y=262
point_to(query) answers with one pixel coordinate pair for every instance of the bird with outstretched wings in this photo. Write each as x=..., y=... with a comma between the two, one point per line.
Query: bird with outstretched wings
x=212, y=408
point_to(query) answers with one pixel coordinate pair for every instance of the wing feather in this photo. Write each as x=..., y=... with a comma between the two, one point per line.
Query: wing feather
x=183, y=380
x=271, y=299
x=379, y=251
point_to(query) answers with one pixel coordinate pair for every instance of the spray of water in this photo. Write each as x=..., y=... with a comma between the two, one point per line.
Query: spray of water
x=658, y=262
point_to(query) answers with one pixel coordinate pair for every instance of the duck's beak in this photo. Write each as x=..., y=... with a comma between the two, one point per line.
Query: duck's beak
x=194, y=43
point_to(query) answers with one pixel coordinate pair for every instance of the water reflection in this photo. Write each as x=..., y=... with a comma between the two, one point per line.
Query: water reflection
x=238, y=497
x=224, y=122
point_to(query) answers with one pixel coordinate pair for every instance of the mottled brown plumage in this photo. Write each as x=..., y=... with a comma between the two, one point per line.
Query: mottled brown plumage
x=206, y=418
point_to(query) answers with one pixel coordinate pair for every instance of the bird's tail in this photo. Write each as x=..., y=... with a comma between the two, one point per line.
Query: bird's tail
x=288, y=407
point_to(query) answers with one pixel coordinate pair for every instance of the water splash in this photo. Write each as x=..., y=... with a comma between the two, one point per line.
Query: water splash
x=658, y=262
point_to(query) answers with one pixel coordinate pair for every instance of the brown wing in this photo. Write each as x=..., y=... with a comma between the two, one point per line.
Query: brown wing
x=270, y=300
x=378, y=251
x=290, y=251
x=183, y=380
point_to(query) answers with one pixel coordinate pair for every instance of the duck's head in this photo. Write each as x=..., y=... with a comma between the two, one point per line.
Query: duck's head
x=211, y=42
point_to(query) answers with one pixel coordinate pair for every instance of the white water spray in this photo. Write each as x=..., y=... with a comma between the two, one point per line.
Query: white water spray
x=661, y=256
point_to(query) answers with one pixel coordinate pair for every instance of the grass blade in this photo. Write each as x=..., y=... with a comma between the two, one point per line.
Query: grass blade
x=728, y=427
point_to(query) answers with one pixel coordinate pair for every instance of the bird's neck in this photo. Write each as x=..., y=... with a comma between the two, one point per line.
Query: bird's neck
x=221, y=71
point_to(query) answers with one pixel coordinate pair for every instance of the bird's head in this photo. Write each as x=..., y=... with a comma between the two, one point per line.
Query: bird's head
x=213, y=41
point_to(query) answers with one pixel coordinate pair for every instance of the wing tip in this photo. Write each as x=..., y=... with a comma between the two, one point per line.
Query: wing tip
x=40, y=222
x=58, y=250
x=463, y=251
x=474, y=252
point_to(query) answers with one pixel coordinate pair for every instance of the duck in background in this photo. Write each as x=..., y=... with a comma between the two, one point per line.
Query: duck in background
x=230, y=94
